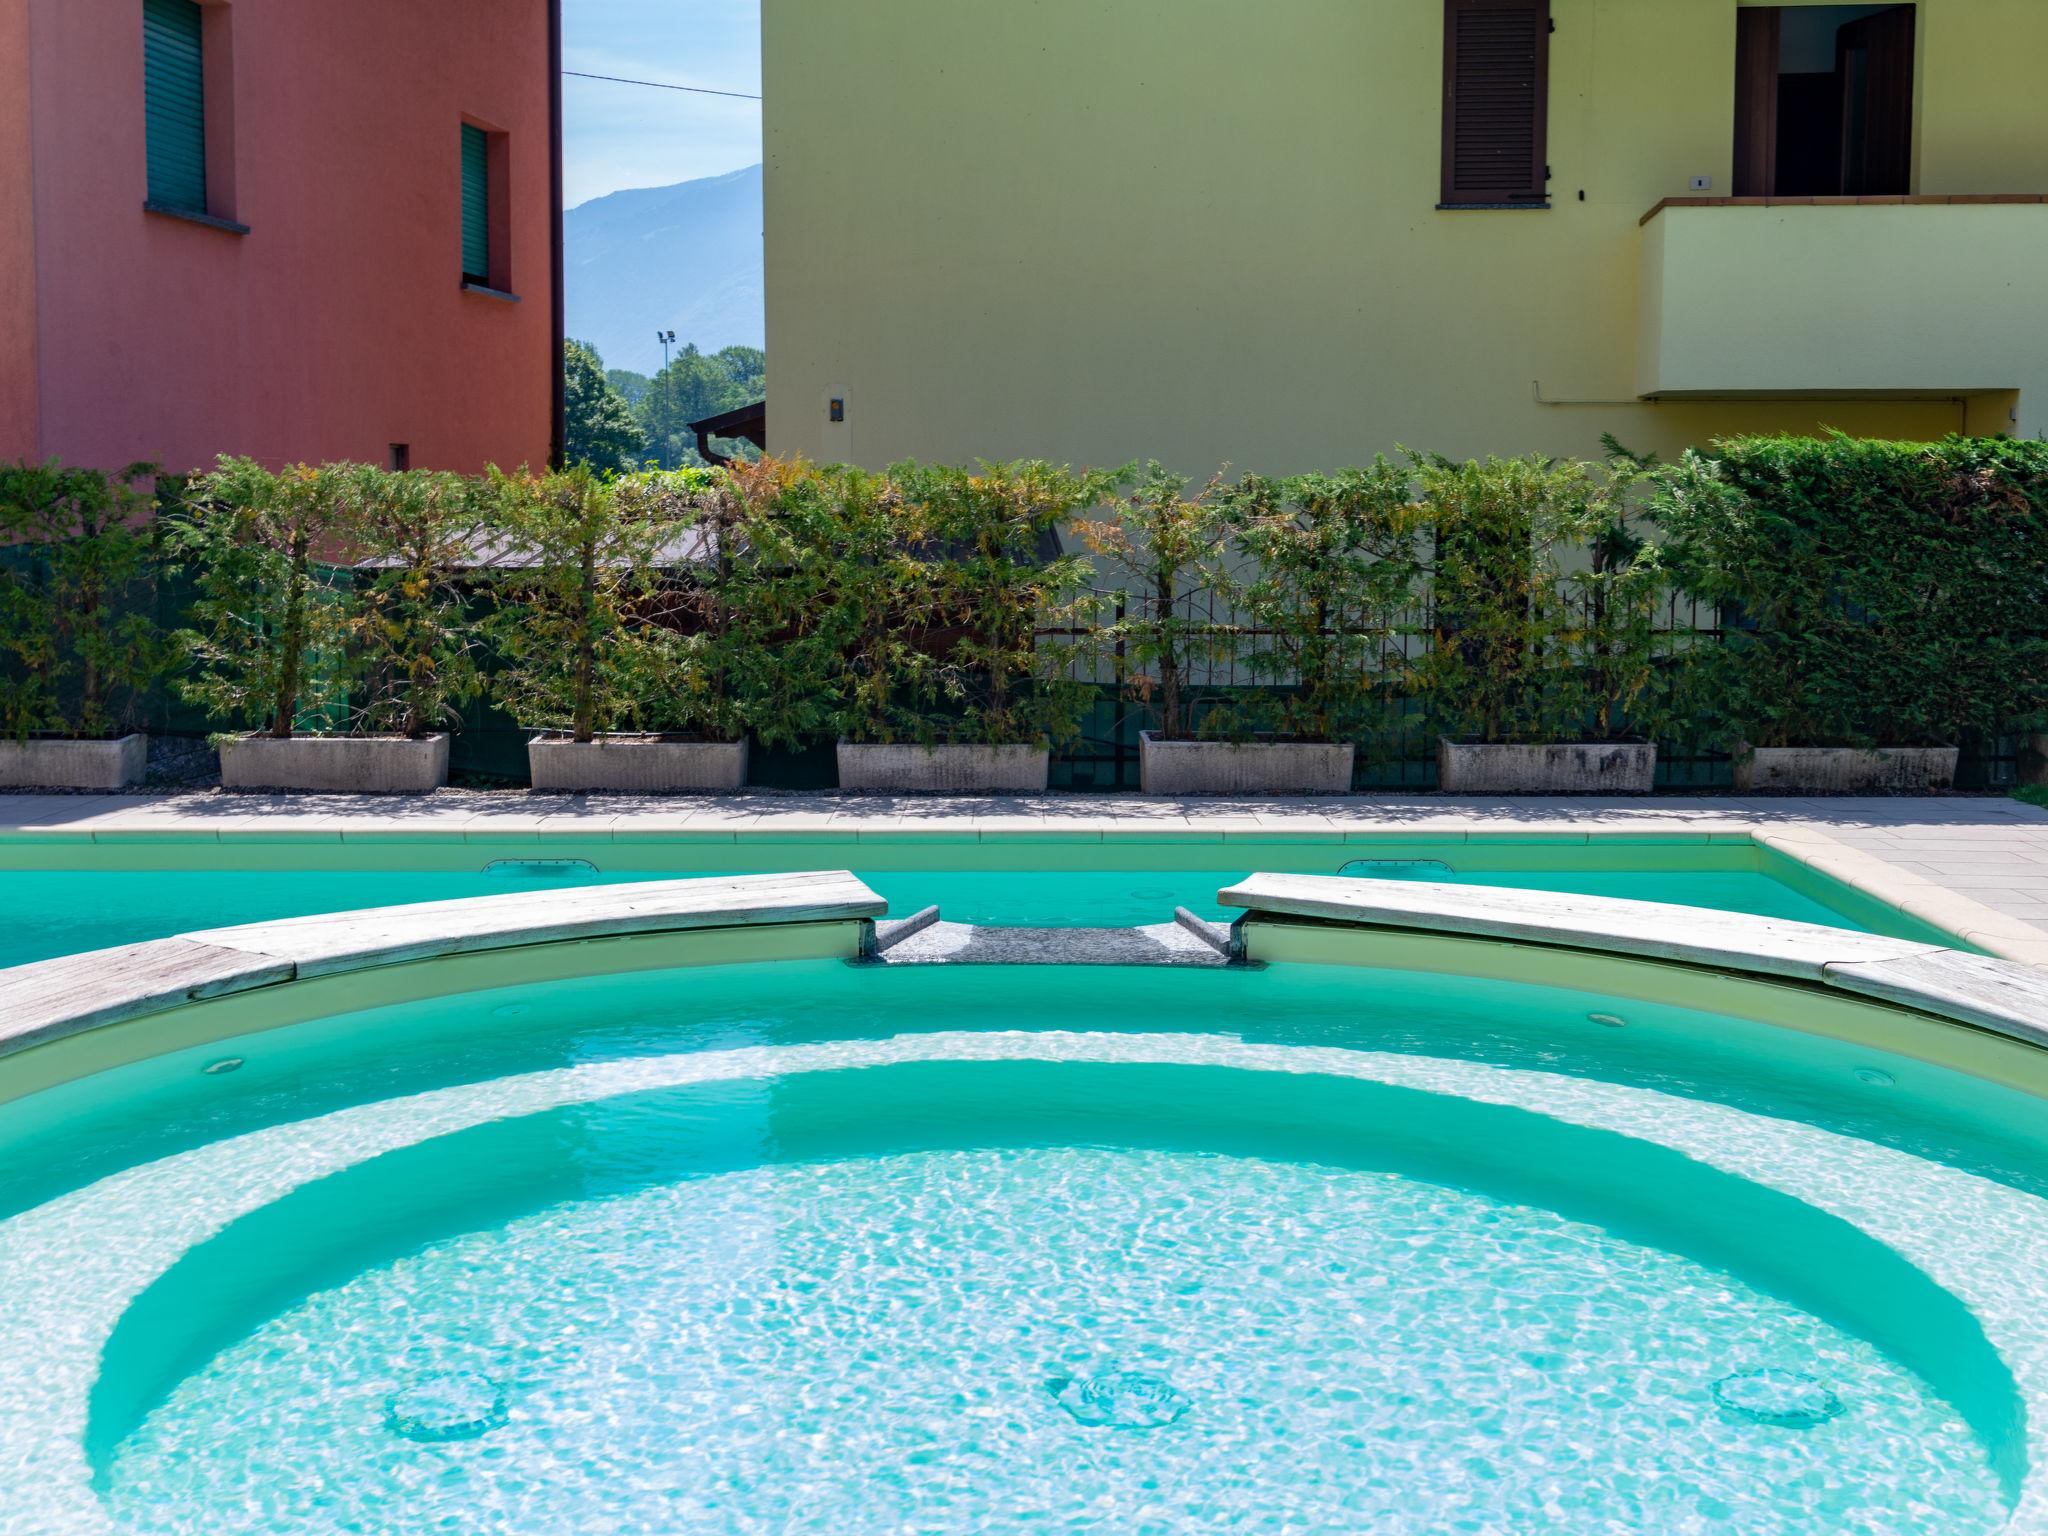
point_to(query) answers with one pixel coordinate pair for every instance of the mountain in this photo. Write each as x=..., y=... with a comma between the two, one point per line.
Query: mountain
x=685, y=258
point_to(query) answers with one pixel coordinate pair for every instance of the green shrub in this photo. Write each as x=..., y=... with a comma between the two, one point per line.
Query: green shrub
x=409, y=640
x=991, y=583
x=831, y=550
x=1875, y=593
x=1325, y=573
x=726, y=662
x=266, y=638
x=1171, y=553
x=329, y=598
x=598, y=623
x=1546, y=598
x=913, y=602
x=80, y=648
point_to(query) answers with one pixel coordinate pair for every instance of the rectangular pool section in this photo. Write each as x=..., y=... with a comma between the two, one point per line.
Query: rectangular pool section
x=68, y=896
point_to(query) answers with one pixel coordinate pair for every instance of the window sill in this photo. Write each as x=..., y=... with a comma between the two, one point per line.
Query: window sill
x=1542, y=207
x=194, y=216
x=485, y=291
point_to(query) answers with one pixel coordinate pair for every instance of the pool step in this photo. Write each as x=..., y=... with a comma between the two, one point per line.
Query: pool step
x=888, y=935
x=942, y=943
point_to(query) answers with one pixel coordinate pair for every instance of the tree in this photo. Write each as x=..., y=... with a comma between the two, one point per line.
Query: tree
x=599, y=427
x=632, y=386
x=695, y=385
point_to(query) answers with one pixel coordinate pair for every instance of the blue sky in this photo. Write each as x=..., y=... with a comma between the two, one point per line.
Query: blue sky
x=629, y=136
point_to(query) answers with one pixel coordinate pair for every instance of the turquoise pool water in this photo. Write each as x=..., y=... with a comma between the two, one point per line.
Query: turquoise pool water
x=54, y=912
x=818, y=1248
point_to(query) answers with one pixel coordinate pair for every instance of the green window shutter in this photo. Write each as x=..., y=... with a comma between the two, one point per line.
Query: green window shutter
x=175, y=99
x=476, y=205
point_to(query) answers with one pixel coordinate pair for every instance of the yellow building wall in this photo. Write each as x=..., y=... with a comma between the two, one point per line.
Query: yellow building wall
x=1201, y=230
x=1982, y=109
x=1892, y=297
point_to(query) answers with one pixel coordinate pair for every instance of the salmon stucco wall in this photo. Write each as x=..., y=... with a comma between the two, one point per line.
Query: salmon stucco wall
x=1206, y=231
x=19, y=437
x=337, y=325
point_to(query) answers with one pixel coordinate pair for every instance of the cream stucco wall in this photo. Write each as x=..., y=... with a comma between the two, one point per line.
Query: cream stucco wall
x=1803, y=299
x=1204, y=230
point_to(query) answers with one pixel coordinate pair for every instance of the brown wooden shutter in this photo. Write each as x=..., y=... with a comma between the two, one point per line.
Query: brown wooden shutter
x=1496, y=100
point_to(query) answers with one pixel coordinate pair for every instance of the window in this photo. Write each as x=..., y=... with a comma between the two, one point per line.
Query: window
x=188, y=91
x=1823, y=100
x=400, y=457
x=476, y=206
x=174, y=73
x=1496, y=102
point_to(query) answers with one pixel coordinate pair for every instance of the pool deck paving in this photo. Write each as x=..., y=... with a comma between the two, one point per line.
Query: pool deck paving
x=1976, y=866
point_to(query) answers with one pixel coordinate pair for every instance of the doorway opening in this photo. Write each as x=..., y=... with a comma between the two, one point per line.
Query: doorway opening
x=1824, y=100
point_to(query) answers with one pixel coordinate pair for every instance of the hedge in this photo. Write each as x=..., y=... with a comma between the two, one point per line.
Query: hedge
x=1870, y=593
x=1873, y=593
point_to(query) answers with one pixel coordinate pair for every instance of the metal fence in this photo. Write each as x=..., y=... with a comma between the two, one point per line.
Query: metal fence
x=1402, y=752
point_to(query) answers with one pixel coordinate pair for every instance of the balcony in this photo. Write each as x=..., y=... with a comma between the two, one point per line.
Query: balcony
x=1899, y=296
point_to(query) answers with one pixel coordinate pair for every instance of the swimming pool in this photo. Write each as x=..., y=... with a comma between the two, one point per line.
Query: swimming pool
x=636, y=1225
x=64, y=896
x=807, y=1246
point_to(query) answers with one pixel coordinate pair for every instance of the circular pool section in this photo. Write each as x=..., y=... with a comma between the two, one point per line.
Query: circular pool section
x=808, y=1247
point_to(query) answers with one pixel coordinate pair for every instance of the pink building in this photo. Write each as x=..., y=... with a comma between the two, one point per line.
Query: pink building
x=282, y=229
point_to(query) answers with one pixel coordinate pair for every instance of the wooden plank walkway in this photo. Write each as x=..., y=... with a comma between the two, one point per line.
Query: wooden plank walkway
x=1979, y=990
x=54, y=998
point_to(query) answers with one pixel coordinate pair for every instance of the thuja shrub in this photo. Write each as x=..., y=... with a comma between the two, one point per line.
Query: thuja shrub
x=726, y=662
x=1324, y=578
x=833, y=554
x=265, y=642
x=1168, y=546
x=330, y=598
x=1546, y=595
x=994, y=589
x=1874, y=593
x=410, y=635
x=610, y=604
x=80, y=648
x=920, y=605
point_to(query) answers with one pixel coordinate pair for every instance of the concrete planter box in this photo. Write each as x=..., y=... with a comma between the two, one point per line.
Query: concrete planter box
x=1845, y=770
x=650, y=765
x=944, y=770
x=347, y=765
x=1547, y=768
x=66, y=762
x=1244, y=767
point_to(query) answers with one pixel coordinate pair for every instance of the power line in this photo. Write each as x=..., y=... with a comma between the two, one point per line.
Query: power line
x=662, y=85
